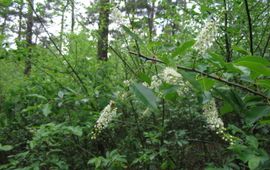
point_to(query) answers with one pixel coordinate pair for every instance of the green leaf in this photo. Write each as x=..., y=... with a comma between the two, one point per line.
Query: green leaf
x=206, y=83
x=46, y=109
x=265, y=122
x=136, y=37
x=252, y=141
x=256, y=68
x=256, y=113
x=190, y=77
x=145, y=78
x=233, y=99
x=169, y=91
x=168, y=164
x=37, y=96
x=217, y=60
x=183, y=48
x=254, y=162
x=5, y=147
x=133, y=35
x=254, y=59
x=263, y=83
x=145, y=95
x=5, y=3
x=75, y=130
x=226, y=108
x=240, y=50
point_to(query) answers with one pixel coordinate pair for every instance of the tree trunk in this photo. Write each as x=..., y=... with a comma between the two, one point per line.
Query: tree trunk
x=20, y=20
x=29, y=35
x=227, y=38
x=151, y=12
x=72, y=15
x=104, y=11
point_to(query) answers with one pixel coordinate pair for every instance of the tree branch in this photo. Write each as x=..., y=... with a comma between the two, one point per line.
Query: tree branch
x=233, y=84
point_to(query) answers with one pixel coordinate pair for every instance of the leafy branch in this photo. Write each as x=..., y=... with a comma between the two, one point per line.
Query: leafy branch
x=232, y=84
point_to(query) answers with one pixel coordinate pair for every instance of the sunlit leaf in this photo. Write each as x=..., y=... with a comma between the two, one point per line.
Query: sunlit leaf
x=5, y=147
x=46, y=109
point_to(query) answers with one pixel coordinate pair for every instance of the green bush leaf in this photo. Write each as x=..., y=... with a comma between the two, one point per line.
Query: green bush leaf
x=217, y=60
x=254, y=59
x=254, y=162
x=46, y=109
x=180, y=50
x=145, y=95
x=5, y=147
x=37, y=96
x=240, y=50
x=206, y=83
x=255, y=67
x=256, y=113
x=263, y=83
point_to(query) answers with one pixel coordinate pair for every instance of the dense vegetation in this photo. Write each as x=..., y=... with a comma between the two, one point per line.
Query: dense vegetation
x=159, y=84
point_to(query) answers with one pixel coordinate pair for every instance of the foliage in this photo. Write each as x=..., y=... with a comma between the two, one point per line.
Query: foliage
x=186, y=86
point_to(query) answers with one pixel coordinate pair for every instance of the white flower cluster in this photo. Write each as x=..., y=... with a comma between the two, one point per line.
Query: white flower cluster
x=127, y=82
x=106, y=116
x=211, y=114
x=206, y=37
x=215, y=123
x=169, y=76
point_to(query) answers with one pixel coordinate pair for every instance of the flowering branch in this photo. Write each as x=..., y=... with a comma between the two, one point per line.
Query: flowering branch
x=233, y=84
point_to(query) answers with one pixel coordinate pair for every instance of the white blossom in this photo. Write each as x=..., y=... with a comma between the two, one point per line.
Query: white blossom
x=106, y=116
x=211, y=114
x=206, y=37
x=145, y=84
x=215, y=123
x=126, y=82
x=155, y=82
x=169, y=76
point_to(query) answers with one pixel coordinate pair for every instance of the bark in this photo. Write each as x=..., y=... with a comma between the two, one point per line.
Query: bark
x=227, y=39
x=151, y=13
x=104, y=11
x=72, y=15
x=250, y=29
x=29, y=35
x=20, y=20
